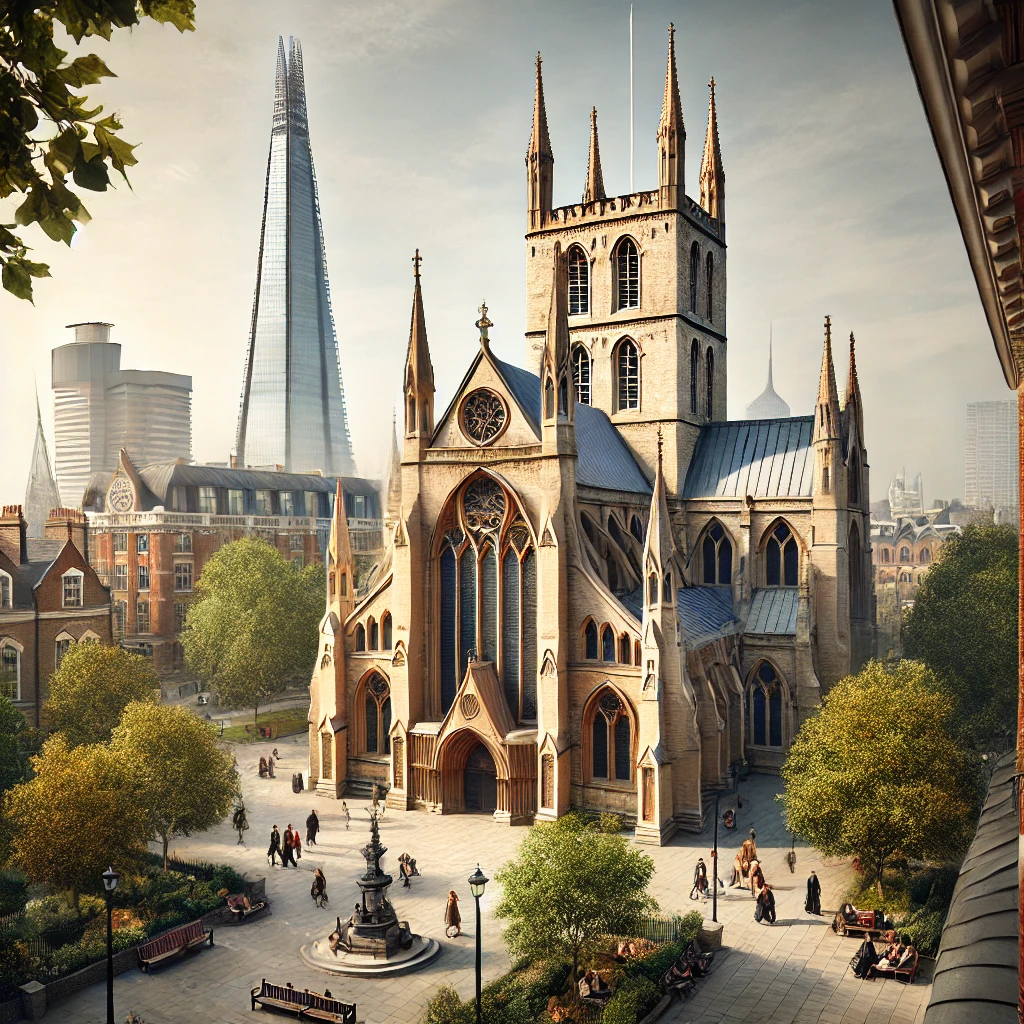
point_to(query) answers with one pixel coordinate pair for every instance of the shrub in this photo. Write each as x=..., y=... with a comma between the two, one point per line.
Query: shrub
x=652, y=968
x=15, y=964
x=13, y=892
x=550, y=983
x=446, y=1008
x=634, y=999
x=611, y=823
x=52, y=919
x=89, y=950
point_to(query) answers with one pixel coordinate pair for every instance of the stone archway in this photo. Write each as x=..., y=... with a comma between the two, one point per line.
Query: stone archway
x=480, y=781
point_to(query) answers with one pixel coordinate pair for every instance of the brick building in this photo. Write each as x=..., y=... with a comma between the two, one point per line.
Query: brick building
x=50, y=597
x=154, y=528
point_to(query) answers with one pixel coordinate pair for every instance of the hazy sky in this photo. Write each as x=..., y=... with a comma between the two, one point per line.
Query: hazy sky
x=419, y=118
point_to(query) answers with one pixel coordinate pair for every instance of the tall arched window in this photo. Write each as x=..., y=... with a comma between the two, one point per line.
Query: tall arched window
x=858, y=598
x=627, y=275
x=766, y=706
x=885, y=554
x=579, y=281
x=581, y=374
x=590, y=641
x=904, y=554
x=628, y=367
x=374, y=636
x=487, y=551
x=709, y=291
x=385, y=632
x=855, y=478
x=549, y=399
x=636, y=527
x=625, y=650
x=709, y=384
x=716, y=555
x=611, y=740
x=694, y=374
x=782, y=558
x=924, y=556
x=360, y=637
x=694, y=274
x=608, y=644
x=10, y=670
x=377, y=715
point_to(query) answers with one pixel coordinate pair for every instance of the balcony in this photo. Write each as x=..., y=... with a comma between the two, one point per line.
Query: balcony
x=102, y=522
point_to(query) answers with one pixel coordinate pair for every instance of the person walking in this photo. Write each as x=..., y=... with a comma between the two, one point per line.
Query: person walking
x=270, y=766
x=239, y=822
x=765, y=909
x=287, y=848
x=275, y=846
x=296, y=846
x=312, y=827
x=345, y=816
x=757, y=881
x=813, y=903
x=452, y=917
x=700, y=880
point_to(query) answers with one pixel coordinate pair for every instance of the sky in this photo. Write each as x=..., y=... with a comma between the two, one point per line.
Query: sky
x=420, y=112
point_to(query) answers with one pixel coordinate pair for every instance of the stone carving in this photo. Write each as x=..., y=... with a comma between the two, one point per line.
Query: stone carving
x=470, y=706
x=483, y=416
x=484, y=505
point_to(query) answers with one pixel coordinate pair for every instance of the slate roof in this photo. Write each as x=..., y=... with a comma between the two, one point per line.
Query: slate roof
x=773, y=612
x=763, y=458
x=976, y=971
x=705, y=612
x=604, y=459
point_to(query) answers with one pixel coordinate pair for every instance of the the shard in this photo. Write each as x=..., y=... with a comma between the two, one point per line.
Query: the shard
x=293, y=408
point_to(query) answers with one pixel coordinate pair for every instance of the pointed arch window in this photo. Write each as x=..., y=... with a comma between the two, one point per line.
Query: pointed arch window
x=628, y=372
x=709, y=291
x=782, y=558
x=709, y=384
x=855, y=479
x=377, y=715
x=858, y=595
x=608, y=644
x=579, y=281
x=904, y=554
x=590, y=641
x=549, y=399
x=374, y=637
x=694, y=275
x=716, y=556
x=652, y=589
x=694, y=374
x=627, y=275
x=765, y=695
x=611, y=738
x=925, y=556
x=385, y=631
x=636, y=527
x=360, y=637
x=581, y=367
x=625, y=650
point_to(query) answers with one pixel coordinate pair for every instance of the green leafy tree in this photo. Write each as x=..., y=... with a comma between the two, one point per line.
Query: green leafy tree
x=963, y=626
x=184, y=779
x=48, y=130
x=13, y=755
x=78, y=814
x=254, y=628
x=572, y=883
x=93, y=685
x=877, y=771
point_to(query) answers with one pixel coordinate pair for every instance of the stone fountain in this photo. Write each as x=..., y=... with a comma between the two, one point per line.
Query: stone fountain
x=372, y=942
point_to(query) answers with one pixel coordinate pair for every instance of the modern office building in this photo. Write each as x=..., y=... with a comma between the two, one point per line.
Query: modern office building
x=990, y=465
x=100, y=409
x=292, y=411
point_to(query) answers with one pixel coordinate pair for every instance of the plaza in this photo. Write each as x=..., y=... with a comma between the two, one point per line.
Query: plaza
x=793, y=971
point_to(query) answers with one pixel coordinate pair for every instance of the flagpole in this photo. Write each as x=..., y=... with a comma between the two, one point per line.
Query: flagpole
x=631, y=98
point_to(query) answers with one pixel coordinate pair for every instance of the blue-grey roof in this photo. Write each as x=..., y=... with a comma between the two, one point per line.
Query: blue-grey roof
x=704, y=611
x=763, y=458
x=976, y=971
x=604, y=459
x=773, y=611
x=633, y=602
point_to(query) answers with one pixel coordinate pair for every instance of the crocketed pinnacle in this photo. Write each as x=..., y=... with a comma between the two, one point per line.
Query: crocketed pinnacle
x=658, y=544
x=854, y=406
x=556, y=344
x=712, y=174
x=540, y=141
x=418, y=358
x=593, y=187
x=827, y=420
x=671, y=106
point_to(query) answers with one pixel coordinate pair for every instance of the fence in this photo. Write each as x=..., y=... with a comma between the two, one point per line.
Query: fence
x=197, y=868
x=11, y=921
x=661, y=929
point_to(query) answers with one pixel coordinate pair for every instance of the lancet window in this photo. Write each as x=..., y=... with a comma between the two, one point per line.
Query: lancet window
x=765, y=692
x=610, y=730
x=694, y=275
x=488, y=595
x=628, y=373
x=581, y=375
x=627, y=275
x=708, y=287
x=377, y=715
x=709, y=384
x=716, y=554
x=694, y=374
x=782, y=558
x=579, y=282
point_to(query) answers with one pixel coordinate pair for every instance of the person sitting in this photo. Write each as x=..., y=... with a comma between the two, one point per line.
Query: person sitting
x=729, y=818
x=849, y=913
x=765, y=909
x=593, y=986
x=263, y=767
x=318, y=890
x=889, y=959
x=678, y=976
x=866, y=958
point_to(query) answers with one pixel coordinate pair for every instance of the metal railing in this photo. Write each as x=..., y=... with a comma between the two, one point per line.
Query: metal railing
x=100, y=522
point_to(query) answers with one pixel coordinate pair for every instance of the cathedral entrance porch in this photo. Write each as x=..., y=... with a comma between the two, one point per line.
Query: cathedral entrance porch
x=480, y=782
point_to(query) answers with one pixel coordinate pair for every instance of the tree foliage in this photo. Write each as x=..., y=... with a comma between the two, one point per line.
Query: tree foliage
x=48, y=130
x=93, y=685
x=877, y=772
x=78, y=814
x=184, y=780
x=963, y=626
x=572, y=883
x=254, y=628
x=13, y=753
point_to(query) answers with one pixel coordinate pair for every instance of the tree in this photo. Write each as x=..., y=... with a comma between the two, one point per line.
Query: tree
x=13, y=755
x=254, y=628
x=77, y=815
x=185, y=780
x=963, y=626
x=93, y=685
x=571, y=884
x=877, y=772
x=47, y=130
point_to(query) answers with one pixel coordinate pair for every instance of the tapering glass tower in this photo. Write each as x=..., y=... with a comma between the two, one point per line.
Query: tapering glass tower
x=293, y=406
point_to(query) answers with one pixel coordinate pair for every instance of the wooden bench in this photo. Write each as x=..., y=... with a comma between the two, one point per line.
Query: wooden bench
x=869, y=924
x=304, y=1005
x=173, y=945
x=905, y=972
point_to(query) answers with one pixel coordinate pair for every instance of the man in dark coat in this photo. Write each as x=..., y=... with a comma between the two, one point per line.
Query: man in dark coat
x=312, y=827
x=275, y=846
x=765, y=909
x=813, y=902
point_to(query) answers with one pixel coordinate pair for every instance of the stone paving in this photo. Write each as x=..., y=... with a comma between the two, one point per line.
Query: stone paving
x=793, y=971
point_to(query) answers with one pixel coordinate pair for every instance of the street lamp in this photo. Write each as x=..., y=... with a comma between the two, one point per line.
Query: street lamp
x=477, y=881
x=110, y=879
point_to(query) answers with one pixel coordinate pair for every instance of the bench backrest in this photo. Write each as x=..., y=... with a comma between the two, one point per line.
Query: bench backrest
x=313, y=1000
x=172, y=940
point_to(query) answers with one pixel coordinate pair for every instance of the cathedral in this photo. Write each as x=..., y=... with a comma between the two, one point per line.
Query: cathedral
x=599, y=593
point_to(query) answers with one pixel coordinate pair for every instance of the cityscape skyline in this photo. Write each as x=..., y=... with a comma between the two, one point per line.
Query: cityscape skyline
x=448, y=177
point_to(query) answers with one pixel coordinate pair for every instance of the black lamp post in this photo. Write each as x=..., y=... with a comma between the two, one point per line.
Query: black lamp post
x=110, y=879
x=477, y=881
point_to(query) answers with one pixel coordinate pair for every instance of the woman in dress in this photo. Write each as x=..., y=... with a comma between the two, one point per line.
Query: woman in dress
x=452, y=917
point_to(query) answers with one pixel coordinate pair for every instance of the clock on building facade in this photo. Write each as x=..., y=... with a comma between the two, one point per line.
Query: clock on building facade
x=120, y=496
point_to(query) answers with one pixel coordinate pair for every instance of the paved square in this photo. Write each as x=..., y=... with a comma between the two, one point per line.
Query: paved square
x=794, y=971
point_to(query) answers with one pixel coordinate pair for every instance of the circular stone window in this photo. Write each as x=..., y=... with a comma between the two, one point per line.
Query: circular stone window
x=484, y=416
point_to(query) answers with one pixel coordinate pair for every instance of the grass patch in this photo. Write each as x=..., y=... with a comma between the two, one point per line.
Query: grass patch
x=286, y=722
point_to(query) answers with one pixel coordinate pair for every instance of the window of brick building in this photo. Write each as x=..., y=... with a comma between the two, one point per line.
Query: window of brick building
x=120, y=576
x=312, y=504
x=263, y=505
x=142, y=617
x=295, y=542
x=10, y=671
x=142, y=543
x=208, y=500
x=236, y=503
x=143, y=577
x=180, y=614
x=183, y=576
x=287, y=499
x=183, y=544
x=62, y=646
x=72, y=589
x=6, y=591
x=120, y=541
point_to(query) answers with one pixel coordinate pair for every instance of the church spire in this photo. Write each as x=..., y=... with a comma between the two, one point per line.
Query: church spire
x=540, y=161
x=771, y=383
x=593, y=187
x=659, y=546
x=419, y=374
x=671, y=134
x=41, y=491
x=826, y=424
x=712, y=174
x=340, y=565
x=555, y=361
x=394, y=474
x=853, y=408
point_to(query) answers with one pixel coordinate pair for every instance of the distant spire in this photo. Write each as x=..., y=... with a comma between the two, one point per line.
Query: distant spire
x=712, y=174
x=340, y=564
x=768, y=405
x=593, y=187
x=827, y=420
x=41, y=493
x=770, y=331
x=671, y=133
x=419, y=373
x=394, y=473
x=853, y=407
x=539, y=160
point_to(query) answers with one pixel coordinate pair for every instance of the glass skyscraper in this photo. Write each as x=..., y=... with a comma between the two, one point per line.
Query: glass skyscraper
x=293, y=406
